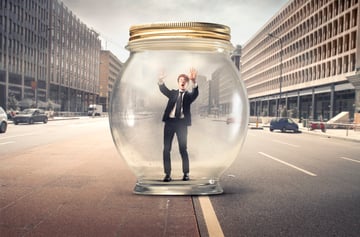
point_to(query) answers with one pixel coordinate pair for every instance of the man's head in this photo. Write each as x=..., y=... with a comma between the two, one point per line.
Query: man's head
x=183, y=81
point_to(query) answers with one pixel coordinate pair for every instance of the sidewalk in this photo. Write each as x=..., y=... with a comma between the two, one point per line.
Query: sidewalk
x=57, y=119
x=345, y=134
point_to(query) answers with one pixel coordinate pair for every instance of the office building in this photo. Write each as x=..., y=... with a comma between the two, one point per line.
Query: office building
x=110, y=67
x=48, y=57
x=304, y=62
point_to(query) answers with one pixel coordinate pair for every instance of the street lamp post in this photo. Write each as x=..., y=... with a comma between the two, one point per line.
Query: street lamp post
x=38, y=63
x=281, y=69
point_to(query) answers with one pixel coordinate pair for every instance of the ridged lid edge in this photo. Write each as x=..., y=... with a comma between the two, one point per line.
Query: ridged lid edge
x=178, y=30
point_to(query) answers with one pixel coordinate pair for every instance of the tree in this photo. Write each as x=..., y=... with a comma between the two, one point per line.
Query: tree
x=294, y=113
x=283, y=112
x=51, y=105
x=13, y=103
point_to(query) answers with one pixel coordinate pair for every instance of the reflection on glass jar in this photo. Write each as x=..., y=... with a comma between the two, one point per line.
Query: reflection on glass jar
x=181, y=153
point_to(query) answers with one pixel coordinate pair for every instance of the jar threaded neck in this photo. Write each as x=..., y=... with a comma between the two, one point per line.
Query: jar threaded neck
x=168, y=30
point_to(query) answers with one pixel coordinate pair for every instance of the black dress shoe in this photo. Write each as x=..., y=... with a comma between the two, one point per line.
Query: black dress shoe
x=186, y=177
x=167, y=178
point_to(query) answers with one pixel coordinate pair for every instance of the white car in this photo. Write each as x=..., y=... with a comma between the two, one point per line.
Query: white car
x=3, y=120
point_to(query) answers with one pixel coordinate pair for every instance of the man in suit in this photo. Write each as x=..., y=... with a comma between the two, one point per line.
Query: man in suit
x=177, y=118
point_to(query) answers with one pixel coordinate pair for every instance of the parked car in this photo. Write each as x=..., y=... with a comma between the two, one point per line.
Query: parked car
x=30, y=116
x=283, y=124
x=3, y=120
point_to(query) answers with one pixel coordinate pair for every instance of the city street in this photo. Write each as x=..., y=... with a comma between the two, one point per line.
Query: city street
x=65, y=178
x=292, y=185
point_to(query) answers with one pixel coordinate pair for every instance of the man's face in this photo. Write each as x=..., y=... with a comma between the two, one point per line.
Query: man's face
x=182, y=83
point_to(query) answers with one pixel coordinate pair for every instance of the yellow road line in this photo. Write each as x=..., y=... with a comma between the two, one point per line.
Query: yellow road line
x=211, y=221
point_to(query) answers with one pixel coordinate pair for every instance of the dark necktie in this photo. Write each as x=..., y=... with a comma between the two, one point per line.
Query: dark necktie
x=178, y=105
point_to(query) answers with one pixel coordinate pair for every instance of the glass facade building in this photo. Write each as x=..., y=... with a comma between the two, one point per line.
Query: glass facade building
x=304, y=61
x=48, y=57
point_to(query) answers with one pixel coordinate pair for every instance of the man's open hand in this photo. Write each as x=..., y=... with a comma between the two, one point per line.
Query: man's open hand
x=162, y=75
x=193, y=74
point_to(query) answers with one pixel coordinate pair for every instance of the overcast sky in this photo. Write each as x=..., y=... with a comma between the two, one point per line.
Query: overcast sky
x=113, y=18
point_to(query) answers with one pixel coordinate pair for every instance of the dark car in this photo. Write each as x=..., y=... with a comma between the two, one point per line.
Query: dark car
x=283, y=124
x=30, y=116
x=3, y=120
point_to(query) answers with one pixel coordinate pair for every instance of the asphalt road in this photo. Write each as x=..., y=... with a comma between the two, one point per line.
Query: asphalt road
x=282, y=184
x=24, y=136
x=65, y=178
x=291, y=185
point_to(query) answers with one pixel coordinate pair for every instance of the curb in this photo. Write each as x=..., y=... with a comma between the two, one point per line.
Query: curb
x=305, y=130
x=330, y=136
x=50, y=120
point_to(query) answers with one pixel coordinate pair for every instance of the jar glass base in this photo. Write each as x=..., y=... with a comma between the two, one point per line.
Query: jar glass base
x=178, y=187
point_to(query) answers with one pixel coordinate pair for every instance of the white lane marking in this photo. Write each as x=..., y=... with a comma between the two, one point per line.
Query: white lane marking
x=211, y=221
x=288, y=164
x=4, y=143
x=345, y=158
x=285, y=143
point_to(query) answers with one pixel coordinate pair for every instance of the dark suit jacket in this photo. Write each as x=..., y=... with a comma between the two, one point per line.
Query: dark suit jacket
x=188, y=98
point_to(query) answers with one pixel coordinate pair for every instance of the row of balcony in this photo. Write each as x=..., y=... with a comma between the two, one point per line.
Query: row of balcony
x=302, y=38
x=270, y=67
x=330, y=68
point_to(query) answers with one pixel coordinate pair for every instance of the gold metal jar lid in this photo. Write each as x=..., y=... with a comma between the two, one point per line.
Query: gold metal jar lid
x=169, y=30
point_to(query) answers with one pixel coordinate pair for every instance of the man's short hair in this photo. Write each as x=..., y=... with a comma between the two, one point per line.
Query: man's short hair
x=184, y=76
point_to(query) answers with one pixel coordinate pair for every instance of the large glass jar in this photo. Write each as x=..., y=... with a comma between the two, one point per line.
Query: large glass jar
x=183, y=154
